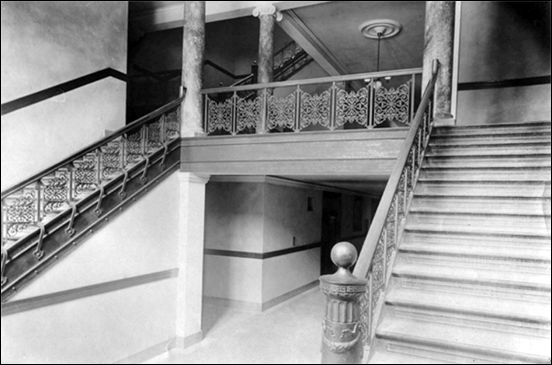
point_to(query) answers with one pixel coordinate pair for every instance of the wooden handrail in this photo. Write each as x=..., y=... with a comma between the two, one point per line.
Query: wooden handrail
x=137, y=123
x=318, y=80
x=64, y=87
x=376, y=228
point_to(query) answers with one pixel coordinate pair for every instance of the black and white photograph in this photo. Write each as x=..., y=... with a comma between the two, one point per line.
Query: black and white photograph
x=276, y=182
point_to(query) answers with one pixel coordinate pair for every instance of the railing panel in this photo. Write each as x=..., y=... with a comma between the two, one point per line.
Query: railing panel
x=39, y=214
x=376, y=100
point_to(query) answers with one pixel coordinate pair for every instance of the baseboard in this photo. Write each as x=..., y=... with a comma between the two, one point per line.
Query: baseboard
x=180, y=342
x=282, y=298
x=147, y=354
x=235, y=304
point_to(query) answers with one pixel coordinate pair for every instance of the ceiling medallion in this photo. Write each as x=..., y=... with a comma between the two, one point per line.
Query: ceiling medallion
x=382, y=28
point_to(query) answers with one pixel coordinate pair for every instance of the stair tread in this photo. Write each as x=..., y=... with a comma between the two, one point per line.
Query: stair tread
x=478, y=250
x=519, y=310
x=538, y=281
x=445, y=204
x=460, y=238
x=381, y=356
x=485, y=341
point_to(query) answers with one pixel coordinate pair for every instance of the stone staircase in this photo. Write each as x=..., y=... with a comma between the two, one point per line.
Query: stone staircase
x=471, y=281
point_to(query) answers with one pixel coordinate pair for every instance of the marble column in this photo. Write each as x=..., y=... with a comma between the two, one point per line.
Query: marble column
x=438, y=44
x=265, y=62
x=189, y=289
x=193, y=48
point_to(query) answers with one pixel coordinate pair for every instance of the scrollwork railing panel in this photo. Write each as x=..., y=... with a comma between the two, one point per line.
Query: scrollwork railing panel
x=315, y=109
x=352, y=107
x=29, y=208
x=220, y=115
x=248, y=113
x=392, y=104
x=281, y=112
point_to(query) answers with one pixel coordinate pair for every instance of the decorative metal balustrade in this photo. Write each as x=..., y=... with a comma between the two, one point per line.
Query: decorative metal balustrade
x=381, y=244
x=372, y=100
x=51, y=211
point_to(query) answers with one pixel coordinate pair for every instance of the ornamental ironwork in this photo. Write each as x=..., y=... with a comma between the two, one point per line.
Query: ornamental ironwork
x=392, y=104
x=220, y=116
x=248, y=113
x=281, y=112
x=352, y=107
x=315, y=109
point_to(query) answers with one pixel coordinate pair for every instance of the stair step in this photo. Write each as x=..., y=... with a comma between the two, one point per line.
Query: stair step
x=482, y=342
x=536, y=127
x=522, y=311
x=469, y=139
x=477, y=250
x=451, y=271
x=480, y=205
x=484, y=188
x=463, y=150
x=495, y=144
x=486, y=173
x=382, y=354
x=460, y=239
x=478, y=223
x=487, y=161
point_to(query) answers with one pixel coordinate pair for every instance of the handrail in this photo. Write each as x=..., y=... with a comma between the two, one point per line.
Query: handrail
x=383, y=238
x=243, y=80
x=138, y=122
x=46, y=215
x=318, y=80
x=58, y=89
x=222, y=69
x=377, y=225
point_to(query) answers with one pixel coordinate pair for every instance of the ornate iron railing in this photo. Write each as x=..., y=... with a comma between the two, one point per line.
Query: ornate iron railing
x=381, y=99
x=47, y=213
x=381, y=243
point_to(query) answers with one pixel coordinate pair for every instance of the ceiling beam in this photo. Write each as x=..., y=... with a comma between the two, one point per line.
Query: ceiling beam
x=170, y=14
x=305, y=38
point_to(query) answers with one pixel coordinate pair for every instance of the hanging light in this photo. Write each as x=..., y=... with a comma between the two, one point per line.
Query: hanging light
x=379, y=29
x=377, y=82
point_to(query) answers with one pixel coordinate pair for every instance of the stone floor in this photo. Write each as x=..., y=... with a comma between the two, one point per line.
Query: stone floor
x=287, y=333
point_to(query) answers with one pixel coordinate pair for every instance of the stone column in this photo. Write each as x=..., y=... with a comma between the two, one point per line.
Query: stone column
x=438, y=44
x=189, y=290
x=342, y=327
x=267, y=15
x=193, y=47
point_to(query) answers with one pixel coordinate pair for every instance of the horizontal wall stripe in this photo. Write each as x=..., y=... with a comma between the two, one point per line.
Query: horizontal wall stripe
x=527, y=81
x=40, y=301
x=260, y=255
x=64, y=87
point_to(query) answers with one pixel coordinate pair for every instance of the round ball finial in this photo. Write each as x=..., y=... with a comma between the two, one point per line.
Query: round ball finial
x=344, y=255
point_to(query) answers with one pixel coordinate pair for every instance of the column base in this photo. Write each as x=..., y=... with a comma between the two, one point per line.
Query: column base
x=444, y=120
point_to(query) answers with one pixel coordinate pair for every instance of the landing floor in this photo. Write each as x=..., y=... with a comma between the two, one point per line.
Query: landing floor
x=287, y=333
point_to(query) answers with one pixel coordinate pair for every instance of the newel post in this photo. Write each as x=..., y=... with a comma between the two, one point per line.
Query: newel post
x=341, y=326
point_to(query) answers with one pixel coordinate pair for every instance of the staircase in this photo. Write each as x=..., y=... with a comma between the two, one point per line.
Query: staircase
x=471, y=280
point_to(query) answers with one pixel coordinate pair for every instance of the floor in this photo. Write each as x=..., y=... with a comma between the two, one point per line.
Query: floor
x=287, y=333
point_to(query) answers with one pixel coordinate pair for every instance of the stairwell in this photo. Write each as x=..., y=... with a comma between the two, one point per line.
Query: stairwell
x=471, y=281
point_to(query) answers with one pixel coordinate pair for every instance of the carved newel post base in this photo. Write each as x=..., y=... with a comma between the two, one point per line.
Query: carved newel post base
x=341, y=327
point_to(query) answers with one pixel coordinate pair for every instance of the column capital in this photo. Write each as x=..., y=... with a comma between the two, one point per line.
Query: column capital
x=267, y=10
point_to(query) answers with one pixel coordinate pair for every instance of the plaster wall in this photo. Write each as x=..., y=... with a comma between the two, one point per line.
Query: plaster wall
x=115, y=325
x=47, y=43
x=501, y=41
x=234, y=216
x=287, y=220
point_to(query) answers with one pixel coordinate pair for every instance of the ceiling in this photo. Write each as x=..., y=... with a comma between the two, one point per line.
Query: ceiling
x=336, y=25
x=372, y=185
